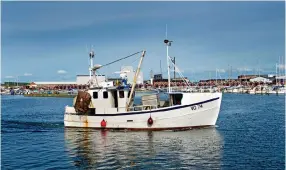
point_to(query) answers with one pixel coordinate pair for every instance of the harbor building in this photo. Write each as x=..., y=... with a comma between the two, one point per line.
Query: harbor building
x=158, y=77
x=80, y=83
x=260, y=79
x=53, y=85
x=84, y=79
x=247, y=78
x=174, y=82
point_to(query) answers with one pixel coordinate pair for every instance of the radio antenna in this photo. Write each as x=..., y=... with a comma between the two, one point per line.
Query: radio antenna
x=166, y=31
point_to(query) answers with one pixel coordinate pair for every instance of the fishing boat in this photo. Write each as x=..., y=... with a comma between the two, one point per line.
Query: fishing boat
x=107, y=106
x=260, y=89
x=278, y=90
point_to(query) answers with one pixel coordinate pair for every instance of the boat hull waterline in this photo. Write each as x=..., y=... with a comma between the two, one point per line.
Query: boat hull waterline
x=198, y=114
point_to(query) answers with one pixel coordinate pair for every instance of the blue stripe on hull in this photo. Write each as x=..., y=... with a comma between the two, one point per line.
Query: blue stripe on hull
x=154, y=111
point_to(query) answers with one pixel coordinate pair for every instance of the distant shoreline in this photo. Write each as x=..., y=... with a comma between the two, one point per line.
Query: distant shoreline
x=50, y=95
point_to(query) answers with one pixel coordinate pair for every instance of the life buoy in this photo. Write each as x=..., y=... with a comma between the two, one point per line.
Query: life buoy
x=103, y=123
x=150, y=121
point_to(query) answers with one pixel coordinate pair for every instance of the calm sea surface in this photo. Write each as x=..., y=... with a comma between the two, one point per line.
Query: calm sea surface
x=250, y=134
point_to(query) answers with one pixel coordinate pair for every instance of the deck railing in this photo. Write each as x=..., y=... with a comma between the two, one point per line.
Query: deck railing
x=141, y=107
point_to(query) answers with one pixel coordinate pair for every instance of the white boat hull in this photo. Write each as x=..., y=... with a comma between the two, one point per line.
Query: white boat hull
x=277, y=92
x=199, y=113
x=235, y=91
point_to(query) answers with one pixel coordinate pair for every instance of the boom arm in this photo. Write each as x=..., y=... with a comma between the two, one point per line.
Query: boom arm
x=135, y=80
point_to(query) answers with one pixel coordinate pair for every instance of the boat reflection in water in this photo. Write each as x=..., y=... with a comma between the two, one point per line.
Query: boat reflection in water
x=90, y=149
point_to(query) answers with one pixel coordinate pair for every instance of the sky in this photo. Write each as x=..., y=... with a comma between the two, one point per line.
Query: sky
x=50, y=41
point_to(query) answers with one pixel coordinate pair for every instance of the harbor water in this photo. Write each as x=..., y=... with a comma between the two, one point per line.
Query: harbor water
x=250, y=134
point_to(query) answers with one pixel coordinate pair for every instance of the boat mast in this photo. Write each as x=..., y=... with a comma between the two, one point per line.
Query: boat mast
x=174, y=61
x=216, y=76
x=276, y=74
x=135, y=80
x=281, y=66
x=161, y=68
x=168, y=43
x=17, y=80
x=91, y=55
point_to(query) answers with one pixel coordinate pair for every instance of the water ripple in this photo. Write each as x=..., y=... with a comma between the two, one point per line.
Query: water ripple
x=249, y=135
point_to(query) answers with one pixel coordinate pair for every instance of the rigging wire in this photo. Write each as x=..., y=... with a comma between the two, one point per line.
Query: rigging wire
x=121, y=59
x=135, y=60
x=108, y=67
x=180, y=73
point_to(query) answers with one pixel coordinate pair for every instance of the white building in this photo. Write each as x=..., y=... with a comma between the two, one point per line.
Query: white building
x=260, y=79
x=54, y=82
x=80, y=81
x=83, y=79
x=131, y=73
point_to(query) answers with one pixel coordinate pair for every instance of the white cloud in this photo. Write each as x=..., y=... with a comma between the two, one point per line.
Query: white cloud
x=62, y=72
x=9, y=77
x=27, y=74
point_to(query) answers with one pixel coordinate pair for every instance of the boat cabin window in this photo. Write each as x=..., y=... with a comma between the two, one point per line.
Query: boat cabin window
x=177, y=99
x=95, y=95
x=105, y=94
x=121, y=94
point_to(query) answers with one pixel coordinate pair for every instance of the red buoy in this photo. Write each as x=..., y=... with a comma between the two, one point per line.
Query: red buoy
x=103, y=123
x=150, y=121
